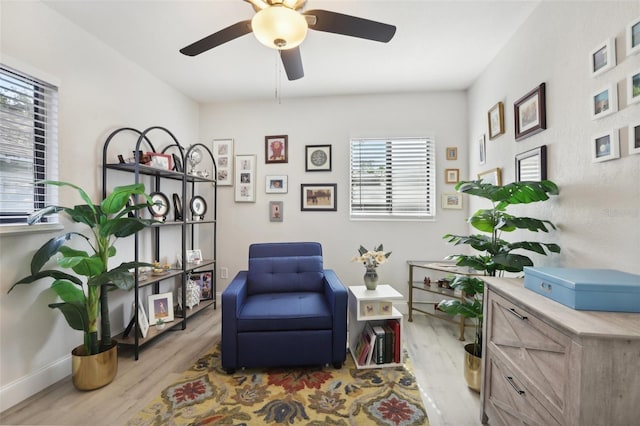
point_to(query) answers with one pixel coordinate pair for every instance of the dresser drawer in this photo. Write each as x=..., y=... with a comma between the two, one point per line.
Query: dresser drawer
x=510, y=401
x=540, y=354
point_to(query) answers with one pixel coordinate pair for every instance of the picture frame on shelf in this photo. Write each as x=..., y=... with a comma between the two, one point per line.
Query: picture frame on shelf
x=276, y=184
x=160, y=207
x=160, y=307
x=245, y=170
x=194, y=256
x=451, y=201
x=493, y=176
x=177, y=208
x=160, y=161
x=451, y=175
x=452, y=153
x=143, y=322
x=605, y=146
x=177, y=163
x=603, y=57
x=198, y=207
x=495, y=118
x=604, y=101
x=204, y=279
x=530, y=113
x=532, y=165
x=276, y=149
x=318, y=197
x=276, y=213
x=223, y=156
x=633, y=37
x=482, y=149
x=317, y=158
x=634, y=137
x=633, y=87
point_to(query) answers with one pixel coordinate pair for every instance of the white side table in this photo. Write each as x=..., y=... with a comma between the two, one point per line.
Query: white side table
x=374, y=306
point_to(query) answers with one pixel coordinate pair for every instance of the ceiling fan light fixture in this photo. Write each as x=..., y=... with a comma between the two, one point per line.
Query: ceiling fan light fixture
x=279, y=27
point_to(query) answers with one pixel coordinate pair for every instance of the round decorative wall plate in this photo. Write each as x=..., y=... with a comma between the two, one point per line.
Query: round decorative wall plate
x=198, y=206
x=160, y=206
x=318, y=157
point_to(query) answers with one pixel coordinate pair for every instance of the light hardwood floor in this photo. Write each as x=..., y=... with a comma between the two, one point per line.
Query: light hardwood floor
x=435, y=353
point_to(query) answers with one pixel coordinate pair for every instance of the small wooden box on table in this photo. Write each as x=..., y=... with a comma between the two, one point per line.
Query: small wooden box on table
x=375, y=307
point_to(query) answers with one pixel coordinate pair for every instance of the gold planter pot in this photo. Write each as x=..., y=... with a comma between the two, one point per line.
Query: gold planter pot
x=472, y=368
x=91, y=372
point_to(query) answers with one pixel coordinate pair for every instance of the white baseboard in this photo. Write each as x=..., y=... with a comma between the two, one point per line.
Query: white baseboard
x=24, y=387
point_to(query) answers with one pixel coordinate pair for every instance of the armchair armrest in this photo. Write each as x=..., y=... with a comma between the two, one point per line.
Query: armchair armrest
x=233, y=298
x=337, y=297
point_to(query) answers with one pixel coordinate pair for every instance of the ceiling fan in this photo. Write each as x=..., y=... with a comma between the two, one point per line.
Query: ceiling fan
x=279, y=24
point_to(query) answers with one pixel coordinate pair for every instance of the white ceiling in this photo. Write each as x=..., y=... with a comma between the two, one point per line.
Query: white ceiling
x=439, y=45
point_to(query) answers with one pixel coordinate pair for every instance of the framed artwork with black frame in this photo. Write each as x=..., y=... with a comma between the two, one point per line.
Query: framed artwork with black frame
x=204, y=279
x=318, y=158
x=530, y=114
x=318, y=197
x=276, y=149
x=532, y=165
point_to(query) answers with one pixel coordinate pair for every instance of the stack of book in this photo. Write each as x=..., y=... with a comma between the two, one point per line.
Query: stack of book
x=379, y=343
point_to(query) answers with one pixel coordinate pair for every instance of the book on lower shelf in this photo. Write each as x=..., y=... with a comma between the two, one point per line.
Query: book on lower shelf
x=379, y=343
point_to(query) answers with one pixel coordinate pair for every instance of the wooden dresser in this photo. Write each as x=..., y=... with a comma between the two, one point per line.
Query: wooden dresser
x=547, y=364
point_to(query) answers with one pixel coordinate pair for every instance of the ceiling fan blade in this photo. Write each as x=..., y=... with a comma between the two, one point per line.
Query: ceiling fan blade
x=292, y=62
x=216, y=39
x=337, y=23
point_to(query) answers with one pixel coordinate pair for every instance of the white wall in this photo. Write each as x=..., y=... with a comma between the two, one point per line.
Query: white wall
x=598, y=210
x=99, y=92
x=334, y=120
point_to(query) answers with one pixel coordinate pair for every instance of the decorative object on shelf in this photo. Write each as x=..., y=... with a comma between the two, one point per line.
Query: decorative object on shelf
x=82, y=301
x=198, y=207
x=605, y=146
x=193, y=293
x=177, y=163
x=530, y=113
x=452, y=153
x=604, y=101
x=276, y=184
x=482, y=149
x=496, y=255
x=495, y=118
x=194, y=256
x=633, y=37
x=371, y=260
x=160, y=206
x=161, y=307
x=318, y=158
x=532, y=165
x=493, y=176
x=633, y=87
x=142, y=158
x=634, y=138
x=276, y=213
x=276, y=149
x=160, y=324
x=245, y=179
x=223, y=155
x=318, y=197
x=194, y=158
x=451, y=175
x=603, y=57
x=177, y=208
x=161, y=161
x=204, y=280
x=452, y=201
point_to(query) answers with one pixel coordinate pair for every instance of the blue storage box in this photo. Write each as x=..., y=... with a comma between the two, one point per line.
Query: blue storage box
x=586, y=289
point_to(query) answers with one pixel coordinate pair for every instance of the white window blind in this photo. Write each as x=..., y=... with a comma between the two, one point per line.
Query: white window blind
x=393, y=178
x=28, y=145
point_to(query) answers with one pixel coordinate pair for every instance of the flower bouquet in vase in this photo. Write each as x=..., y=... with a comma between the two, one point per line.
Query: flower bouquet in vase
x=371, y=260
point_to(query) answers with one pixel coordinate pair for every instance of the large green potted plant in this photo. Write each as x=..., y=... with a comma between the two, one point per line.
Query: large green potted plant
x=495, y=255
x=85, y=301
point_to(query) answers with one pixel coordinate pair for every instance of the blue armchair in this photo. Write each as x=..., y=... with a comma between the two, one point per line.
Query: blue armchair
x=285, y=310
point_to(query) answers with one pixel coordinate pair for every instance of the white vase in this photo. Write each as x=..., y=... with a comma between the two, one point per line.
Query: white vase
x=371, y=278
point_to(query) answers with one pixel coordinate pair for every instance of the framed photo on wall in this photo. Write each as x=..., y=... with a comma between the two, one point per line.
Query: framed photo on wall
x=603, y=57
x=276, y=149
x=452, y=153
x=245, y=170
x=605, y=146
x=160, y=307
x=530, y=113
x=633, y=37
x=451, y=175
x=604, y=101
x=532, y=165
x=318, y=197
x=317, y=158
x=493, y=176
x=276, y=211
x=495, y=117
x=633, y=87
x=452, y=201
x=634, y=138
x=276, y=184
x=223, y=156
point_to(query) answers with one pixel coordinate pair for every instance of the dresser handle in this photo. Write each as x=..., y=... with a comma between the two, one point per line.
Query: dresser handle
x=513, y=385
x=513, y=311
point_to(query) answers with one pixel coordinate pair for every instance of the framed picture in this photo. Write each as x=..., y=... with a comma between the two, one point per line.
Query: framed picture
x=223, y=156
x=495, y=116
x=161, y=161
x=245, y=170
x=318, y=158
x=452, y=201
x=530, y=113
x=368, y=309
x=634, y=138
x=605, y=147
x=177, y=163
x=160, y=307
x=194, y=256
x=318, y=197
x=276, y=211
x=451, y=175
x=276, y=149
x=532, y=165
x=633, y=87
x=603, y=57
x=160, y=207
x=482, y=149
x=452, y=153
x=493, y=176
x=633, y=37
x=385, y=308
x=143, y=322
x=177, y=207
x=604, y=102
x=204, y=279
x=276, y=184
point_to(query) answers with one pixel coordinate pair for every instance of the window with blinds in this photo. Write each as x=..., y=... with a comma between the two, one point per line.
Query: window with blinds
x=393, y=178
x=28, y=145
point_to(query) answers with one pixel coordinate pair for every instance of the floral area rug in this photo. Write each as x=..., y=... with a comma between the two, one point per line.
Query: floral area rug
x=206, y=395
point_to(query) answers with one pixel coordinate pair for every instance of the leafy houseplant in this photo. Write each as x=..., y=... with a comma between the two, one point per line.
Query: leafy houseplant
x=495, y=254
x=82, y=304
